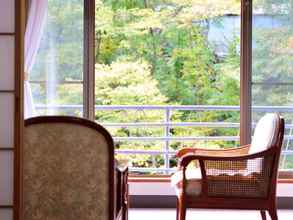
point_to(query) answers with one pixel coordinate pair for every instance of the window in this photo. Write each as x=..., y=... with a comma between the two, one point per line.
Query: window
x=154, y=55
x=57, y=76
x=165, y=73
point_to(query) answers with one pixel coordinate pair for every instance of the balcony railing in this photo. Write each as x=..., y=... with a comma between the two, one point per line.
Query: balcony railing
x=167, y=124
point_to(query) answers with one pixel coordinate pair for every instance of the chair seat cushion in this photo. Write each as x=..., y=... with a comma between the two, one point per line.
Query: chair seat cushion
x=193, y=177
x=193, y=183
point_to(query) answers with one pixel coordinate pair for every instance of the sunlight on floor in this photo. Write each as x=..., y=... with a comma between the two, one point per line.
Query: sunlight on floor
x=170, y=214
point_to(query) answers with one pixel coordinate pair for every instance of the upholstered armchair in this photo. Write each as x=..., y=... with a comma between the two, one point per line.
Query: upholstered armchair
x=68, y=170
x=237, y=178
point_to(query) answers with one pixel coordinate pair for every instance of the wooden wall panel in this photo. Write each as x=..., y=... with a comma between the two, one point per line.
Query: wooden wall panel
x=7, y=62
x=6, y=214
x=11, y=106
x=7, y=13
x=6, y=120
x=6, y=178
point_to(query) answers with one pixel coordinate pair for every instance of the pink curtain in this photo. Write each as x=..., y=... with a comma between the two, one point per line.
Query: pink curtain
x=37, y=15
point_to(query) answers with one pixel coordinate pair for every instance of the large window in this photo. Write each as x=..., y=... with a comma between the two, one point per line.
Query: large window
x=272, y=65
x=166, y=72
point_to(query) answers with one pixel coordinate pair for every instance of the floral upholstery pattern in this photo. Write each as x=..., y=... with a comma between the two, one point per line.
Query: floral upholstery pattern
x=66, y=170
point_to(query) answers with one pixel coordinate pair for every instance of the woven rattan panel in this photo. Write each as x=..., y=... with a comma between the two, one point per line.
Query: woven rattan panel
x=247, y=178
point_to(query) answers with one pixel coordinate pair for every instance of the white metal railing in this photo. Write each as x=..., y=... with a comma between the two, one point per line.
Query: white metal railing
x=167, y=124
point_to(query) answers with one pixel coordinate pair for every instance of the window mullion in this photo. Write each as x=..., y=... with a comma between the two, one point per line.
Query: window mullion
x=245, y=72
x=89, y=60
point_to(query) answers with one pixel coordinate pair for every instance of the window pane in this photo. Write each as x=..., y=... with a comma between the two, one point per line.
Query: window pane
x=61, y=99
x=272, y=72
x=287, y=162
x=154, y=55
x=60, y=57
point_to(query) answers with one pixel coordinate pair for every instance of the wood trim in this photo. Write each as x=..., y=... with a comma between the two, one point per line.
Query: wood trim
x=286, y=175
x=7, y=34
x=245, y=72
x=7, y=91
x=6, y=149
x=272, y=151
x=285, y=181
x=19, y=112
x=70, y=120
x=89, y=60
x=6, y=206
x=166, y=179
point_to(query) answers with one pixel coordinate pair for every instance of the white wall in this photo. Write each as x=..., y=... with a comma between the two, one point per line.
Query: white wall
x=7, y=73
x=164, y=188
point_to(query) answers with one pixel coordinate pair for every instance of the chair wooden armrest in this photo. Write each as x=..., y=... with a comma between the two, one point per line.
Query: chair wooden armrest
x=189, y=157
x=185, y=160
x=237, y=151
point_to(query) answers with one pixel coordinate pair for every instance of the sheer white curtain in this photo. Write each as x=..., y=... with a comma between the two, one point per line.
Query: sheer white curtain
x=37, y=15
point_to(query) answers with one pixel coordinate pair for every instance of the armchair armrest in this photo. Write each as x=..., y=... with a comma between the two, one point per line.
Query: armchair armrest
x=185, y=160
x=237, y=151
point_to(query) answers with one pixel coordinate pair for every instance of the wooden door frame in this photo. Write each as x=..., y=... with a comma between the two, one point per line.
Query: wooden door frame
x=20, y=6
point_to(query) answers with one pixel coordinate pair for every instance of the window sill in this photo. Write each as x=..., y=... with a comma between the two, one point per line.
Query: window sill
x=286, y=179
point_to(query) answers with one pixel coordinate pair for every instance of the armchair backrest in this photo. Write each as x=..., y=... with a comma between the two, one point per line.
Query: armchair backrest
x=68, y=168
x=266, y=133
x=253, y=176
x=269, y=133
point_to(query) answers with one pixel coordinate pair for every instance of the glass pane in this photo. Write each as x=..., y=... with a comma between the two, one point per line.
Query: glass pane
x=287, y=162
x=6, y=63
x=6, y=120
x=6, y=178
x=7, y=16
x=58, y=99
x=154, y=55
x=60, y=57
x=272, y=95
x=272, y=64
x=143, y=163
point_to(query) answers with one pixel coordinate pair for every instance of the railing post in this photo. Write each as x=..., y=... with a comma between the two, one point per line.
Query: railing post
x=167, y=134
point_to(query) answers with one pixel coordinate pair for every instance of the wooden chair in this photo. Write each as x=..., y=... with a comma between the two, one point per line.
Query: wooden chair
x=68, y=170
x=237, y=178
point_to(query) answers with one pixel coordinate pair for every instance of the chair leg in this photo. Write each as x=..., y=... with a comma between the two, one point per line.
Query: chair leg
x=273, y=213
x=181, y=209
x=263, y=214
x=182, y=213
x=177, y=209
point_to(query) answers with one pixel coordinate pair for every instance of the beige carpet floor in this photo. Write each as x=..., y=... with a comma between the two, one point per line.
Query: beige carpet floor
x=170, y=214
